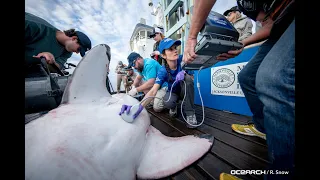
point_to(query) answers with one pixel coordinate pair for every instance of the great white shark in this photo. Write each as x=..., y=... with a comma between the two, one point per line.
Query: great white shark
x=85, y=138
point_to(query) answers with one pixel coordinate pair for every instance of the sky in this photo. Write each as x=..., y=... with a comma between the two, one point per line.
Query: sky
x=108, y=22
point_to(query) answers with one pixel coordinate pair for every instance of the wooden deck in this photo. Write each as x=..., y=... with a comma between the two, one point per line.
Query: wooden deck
x=230, y=151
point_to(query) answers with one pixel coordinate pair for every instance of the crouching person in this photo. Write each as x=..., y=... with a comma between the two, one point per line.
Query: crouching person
x=171, y=76
x=147, y=70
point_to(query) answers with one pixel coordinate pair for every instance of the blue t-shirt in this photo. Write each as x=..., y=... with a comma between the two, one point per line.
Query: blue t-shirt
x=150, y=69
x=163, y=78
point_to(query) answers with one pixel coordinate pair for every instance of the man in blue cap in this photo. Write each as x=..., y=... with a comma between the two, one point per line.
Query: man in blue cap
x=43, y=39
x=147, y=72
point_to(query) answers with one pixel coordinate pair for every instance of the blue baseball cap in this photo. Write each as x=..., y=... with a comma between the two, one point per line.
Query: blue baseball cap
x=166, y=43
x=132, y=57
x=84, y=42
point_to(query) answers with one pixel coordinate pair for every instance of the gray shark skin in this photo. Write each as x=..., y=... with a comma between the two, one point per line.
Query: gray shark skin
x=85, y=138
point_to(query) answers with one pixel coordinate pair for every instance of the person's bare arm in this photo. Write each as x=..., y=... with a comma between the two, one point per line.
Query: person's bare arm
x=137, y=80
x=151, y=93
x=262, y=34
x=50, y=60
x=201, y=11
x=146, y=85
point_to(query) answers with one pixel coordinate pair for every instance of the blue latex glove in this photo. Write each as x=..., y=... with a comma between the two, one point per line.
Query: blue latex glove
x=180, y=76
x=127, y=109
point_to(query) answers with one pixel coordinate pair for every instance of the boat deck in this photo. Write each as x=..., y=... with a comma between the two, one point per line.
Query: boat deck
x=230, y=150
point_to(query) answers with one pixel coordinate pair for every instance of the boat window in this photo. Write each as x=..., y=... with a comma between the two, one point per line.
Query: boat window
x=167, y=3
x=142, y=34
x=148, y=34
x=175, y=16
x=177, y=36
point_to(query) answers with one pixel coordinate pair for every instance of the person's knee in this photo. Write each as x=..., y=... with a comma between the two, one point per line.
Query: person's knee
x=188, y=79
x=170, y=104
x=244, y=77
x=158, y=105
x=264, y=79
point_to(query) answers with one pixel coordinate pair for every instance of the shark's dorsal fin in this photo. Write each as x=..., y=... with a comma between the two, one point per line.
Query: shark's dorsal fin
x=88, y=81
x=164, y=156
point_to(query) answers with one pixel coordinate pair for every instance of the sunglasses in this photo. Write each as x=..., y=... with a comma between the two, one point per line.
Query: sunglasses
x=134, y=63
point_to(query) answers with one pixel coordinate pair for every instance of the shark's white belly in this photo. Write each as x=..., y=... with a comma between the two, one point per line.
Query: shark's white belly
x=85, y=141
x=85, y=138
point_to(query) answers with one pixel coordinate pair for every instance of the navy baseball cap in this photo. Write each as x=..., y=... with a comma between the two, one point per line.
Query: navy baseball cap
x=85, y=43
x=166, y=43
x=132, y=57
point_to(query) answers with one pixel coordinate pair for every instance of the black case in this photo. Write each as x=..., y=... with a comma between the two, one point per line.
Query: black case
x=219, y=36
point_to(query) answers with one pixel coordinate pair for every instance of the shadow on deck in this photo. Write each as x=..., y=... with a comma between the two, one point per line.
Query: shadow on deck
x=230, y=151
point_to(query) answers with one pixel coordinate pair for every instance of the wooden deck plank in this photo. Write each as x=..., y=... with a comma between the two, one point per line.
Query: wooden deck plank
x=246, y=148
x=243, y=148
x=230, y=118
x=203, y=166
x=209, y=120
x=234, y=159
x=254, y=146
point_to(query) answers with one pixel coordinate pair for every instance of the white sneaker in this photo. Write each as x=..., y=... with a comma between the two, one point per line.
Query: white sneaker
x=192, y=119
x=173, y=112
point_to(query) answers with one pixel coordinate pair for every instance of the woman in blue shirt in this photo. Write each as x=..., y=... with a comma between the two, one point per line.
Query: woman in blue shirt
x=171, y=74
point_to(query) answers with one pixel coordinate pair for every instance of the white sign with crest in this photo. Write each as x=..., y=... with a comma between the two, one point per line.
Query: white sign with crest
x=224, y=80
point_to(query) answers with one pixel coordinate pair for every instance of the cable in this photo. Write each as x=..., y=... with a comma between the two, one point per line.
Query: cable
x=185, y=93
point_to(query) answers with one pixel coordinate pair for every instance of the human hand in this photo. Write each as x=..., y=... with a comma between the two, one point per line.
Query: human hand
x=180, y=76
x=230, y=54
x=189, y=54
x=127, y=108
x=133, y=91
x=49, y=57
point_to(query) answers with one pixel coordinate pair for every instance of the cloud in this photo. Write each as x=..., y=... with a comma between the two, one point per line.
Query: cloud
x=104, y=21
x=221, y=6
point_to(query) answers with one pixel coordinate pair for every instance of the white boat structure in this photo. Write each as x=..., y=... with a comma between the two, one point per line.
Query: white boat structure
x=140, y=41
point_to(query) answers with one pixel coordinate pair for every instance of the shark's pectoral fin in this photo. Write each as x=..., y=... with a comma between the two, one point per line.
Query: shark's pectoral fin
x=164, y=156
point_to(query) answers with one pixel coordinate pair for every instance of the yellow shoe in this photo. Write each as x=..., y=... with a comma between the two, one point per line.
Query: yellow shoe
x=225, y=176
x=249, y=130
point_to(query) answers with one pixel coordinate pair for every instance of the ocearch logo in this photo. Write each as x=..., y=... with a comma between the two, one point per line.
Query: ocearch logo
x=257, y=172
x=245, y=172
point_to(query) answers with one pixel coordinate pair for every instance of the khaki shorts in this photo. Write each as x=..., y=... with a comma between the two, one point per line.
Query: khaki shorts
x=158, y=104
